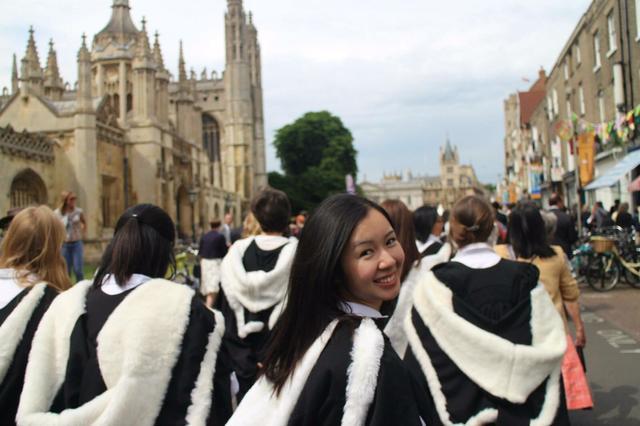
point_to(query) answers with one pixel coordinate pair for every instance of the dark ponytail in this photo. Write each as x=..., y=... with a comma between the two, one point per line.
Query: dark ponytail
x=142, y=244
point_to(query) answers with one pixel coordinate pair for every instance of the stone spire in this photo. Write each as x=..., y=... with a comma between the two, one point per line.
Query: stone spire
x=31, y=73
x=182, y=70
x=235, y=23
x=157, y=52
x=53, y=86
x=143, y=48
x=84, y=102
x=120, y=27
x=14, y=76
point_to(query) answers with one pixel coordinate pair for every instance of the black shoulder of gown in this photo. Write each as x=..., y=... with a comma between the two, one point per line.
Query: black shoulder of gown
x=323, y=397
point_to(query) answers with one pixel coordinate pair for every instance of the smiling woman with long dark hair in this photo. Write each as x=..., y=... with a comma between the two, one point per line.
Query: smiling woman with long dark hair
x=327, y=363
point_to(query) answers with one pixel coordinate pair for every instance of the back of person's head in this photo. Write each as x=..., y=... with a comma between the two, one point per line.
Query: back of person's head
x=317, y=282
x=471, y=221
x=250, y=226
x=423, y=220
x=550, y=223
x=142, y=244
x=599, y=204
x=215, y=223
x=527, y=232
x=402, y=221
x=623, y=208
x=272, y=210
x=33, y=243
x=555, y=200
x=496, y=206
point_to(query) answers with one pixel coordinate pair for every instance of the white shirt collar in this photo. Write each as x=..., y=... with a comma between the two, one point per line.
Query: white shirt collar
x=423, y=246
x=111, y=287
x=477, y=256
x=360, y=310
x=270, y=242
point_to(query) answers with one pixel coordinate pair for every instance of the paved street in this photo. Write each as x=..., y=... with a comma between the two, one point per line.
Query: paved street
x=612, y=321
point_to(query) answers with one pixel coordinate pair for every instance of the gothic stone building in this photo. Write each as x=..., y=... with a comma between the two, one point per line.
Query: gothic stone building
x=454, y=182
x=128, y=132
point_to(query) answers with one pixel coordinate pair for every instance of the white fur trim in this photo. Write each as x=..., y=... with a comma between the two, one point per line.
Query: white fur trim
x=255, y=290
x=13, y=327
x=260, y=407
x=210, y=273
x=135, y=368
x=362, y=374
x=250, y=327
x=516, y=361
x=394, y=329
x=202, y=393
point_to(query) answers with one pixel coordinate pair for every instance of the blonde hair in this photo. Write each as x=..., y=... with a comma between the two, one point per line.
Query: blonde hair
x=33, y=244
x=250, y=226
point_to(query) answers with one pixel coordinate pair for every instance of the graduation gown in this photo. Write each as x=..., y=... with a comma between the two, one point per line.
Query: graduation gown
x=19, y=320
x=350, y=376
x=486, y=345
x=146, y=356
x=252, y=296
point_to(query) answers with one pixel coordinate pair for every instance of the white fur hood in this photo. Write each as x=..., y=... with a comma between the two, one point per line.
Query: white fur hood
x=256, y=290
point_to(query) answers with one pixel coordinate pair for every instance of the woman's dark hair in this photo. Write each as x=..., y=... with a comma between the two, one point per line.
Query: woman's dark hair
x=316, y=283
x=526, y=232
x=402, y=221
x=423, y=220
x=142, y=244
x=272, y=210
x=471, y=220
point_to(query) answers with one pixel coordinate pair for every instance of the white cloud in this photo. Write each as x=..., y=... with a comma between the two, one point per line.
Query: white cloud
x=400, y=74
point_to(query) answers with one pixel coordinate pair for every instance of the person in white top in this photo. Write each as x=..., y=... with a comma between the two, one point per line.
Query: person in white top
x=32, y=273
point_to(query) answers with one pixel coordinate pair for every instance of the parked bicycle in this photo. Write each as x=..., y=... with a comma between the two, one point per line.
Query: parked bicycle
x=615, y=256
x=187, y=267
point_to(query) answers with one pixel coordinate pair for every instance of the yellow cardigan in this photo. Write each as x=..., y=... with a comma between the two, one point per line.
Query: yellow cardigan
x=554, y=275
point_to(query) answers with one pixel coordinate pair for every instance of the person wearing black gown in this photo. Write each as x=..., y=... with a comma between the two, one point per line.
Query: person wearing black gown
x=254, y=276
x=32, y=273
x=128, y=348
x=481, y=334
x=327, y=361
x=428, y=227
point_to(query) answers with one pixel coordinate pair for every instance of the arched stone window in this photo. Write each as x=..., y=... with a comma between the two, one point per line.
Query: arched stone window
x=211, y=137
x=27, y=189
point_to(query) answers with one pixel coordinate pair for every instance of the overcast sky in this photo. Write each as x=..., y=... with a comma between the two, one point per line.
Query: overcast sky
x=401, y=75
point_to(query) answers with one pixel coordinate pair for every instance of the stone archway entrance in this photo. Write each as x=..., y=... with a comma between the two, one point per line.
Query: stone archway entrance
x=27, y=189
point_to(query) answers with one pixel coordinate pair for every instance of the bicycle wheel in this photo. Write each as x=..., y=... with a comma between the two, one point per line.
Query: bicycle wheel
x=603, y=273
x=630, y=278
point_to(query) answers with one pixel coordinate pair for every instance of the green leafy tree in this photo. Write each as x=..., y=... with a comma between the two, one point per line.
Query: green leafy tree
x=316, y=152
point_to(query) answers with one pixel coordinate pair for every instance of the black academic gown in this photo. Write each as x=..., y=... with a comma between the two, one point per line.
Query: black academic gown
x=471, y=337
x=357, y=378
x=19, y=320
x=243, y=343
x=149, y=355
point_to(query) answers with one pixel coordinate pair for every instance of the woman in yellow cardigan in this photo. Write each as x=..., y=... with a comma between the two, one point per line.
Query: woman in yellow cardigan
x=529, y=244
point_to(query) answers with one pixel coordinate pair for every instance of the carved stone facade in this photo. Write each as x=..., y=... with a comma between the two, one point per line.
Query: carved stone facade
x=129, y=132
x=454, y=182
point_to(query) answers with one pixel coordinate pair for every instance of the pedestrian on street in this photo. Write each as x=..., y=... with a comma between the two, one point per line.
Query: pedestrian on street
x=482, y=336
x=565, y=235
x=226, y=228
x=32, y=272
x=327, y=362
x=72, y=218
x=129, y=347
x=212, y=249
x=528, y=244
x=254, y=277
x=624, y=219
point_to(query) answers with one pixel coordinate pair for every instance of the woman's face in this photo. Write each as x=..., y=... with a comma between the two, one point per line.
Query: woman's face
x=372, y=262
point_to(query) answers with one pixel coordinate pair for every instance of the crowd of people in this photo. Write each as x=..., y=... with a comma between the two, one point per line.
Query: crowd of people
x=355, y=314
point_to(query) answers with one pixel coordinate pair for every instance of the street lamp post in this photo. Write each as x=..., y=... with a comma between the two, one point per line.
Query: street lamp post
x=193, y=196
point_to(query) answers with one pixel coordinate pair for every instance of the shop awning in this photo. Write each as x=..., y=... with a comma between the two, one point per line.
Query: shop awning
x=613, y=175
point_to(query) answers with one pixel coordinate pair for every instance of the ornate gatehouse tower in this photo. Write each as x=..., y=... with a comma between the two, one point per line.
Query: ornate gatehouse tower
x=131, y=132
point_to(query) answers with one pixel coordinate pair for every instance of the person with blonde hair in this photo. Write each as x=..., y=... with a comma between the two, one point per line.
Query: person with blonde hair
x=72, y=218
x=250, y=226
x=32, y=272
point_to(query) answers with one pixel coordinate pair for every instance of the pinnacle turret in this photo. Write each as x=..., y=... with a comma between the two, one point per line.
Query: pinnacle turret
x=14, y=76
x=182, y=70
x=83, y=96
x=143, y=49
x=53, y=86
x=157, y=52
x=30, y=72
